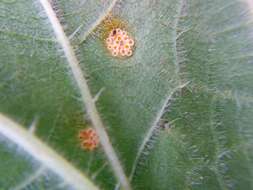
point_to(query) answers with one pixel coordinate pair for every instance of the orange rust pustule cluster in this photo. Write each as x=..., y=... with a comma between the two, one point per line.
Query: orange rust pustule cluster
x=119, y=43
x=89, y=139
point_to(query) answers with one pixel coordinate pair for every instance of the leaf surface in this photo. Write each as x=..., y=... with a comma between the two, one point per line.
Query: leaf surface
x=208, y=145
x=205, y=42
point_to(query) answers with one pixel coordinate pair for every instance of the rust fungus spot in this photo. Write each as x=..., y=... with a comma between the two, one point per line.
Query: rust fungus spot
x=116, y=37
x=89, y=139
x=121, y=41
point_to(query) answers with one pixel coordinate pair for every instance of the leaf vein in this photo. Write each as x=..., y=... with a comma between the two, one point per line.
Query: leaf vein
x=85, y=94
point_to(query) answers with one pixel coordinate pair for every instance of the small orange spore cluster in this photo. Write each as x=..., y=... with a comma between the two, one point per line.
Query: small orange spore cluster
x=119, y=43
x=89, y=139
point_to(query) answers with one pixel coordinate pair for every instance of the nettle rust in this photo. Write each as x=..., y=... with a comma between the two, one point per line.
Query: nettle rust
x=116, y=37
x=87, y=136
x=89, y=139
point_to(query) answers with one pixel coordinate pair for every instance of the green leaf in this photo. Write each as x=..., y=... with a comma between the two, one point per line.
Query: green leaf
x=205, y=42
x=209, y=143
